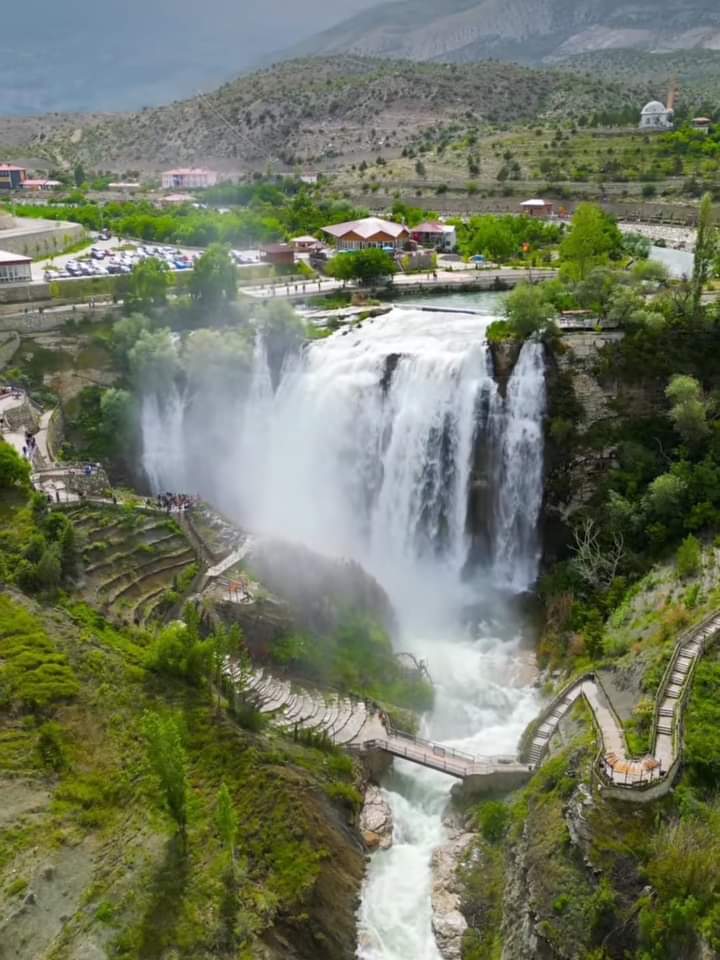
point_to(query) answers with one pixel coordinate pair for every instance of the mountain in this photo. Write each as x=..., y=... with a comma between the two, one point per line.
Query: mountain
x=319, y=113
x=528, y=31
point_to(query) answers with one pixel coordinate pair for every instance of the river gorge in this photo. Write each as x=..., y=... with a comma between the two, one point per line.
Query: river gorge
x=392, y=444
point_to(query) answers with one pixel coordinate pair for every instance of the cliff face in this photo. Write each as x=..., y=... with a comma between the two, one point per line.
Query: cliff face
x=585, y=402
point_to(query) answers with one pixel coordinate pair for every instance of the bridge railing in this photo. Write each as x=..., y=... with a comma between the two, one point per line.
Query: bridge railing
x=435, y=747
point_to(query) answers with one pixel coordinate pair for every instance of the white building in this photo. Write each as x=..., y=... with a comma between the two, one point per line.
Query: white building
x=656, y=116
x=14, y=268
x=189, y=178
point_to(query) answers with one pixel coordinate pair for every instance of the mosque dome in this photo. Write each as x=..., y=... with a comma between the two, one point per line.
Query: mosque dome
x=654, y=108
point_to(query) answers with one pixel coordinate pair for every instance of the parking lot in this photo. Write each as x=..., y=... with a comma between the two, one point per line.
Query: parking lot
x=109, y=257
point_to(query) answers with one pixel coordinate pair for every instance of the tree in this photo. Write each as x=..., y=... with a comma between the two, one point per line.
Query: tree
x=593, y=238
x=79, y=175
x=14, y=470
x=705, y=251
x=368, y=266
x=689, y=557
x=527, y=309
x=168, y=762
x=48, y=572
x=148, y=282
x=214, y=276
x=226, y=820
x=117, y=417
x=688, y=411
x=153, y=360
x=665, y=494
x=596, y=564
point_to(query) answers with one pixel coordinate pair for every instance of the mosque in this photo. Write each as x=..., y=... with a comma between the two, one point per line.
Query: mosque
x=656, y=117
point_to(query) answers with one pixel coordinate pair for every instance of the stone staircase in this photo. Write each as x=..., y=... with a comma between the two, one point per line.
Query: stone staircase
x=343, y=720
x=550, y=724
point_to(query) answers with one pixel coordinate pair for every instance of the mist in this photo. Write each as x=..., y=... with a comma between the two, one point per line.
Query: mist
x=86, y=56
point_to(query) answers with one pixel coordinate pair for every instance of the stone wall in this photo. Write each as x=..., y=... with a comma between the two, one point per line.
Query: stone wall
x=35, y=238
x=9, y=343
x=23, y=417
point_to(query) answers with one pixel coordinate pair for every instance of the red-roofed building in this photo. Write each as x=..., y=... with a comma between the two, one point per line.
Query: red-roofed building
x=439, y=236
x=11, y=177
x=370, y=232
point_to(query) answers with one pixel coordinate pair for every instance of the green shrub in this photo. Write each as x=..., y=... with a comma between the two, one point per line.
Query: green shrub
x=689, y=557
x=493, y=819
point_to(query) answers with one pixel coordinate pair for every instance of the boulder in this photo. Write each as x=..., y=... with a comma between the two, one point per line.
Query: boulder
x=376, y=820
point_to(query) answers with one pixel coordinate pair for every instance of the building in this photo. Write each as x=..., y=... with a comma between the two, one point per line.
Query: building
x=656, y=117
x=176, y=199
x=11, y=177
x=14, y=268
x=278, y=254
x=439, y=236
x=188, y=178
x=370, y=232
x=542, y=209
x=40, y=185
x=125, y=186
x=702, y=123
x=305, y=243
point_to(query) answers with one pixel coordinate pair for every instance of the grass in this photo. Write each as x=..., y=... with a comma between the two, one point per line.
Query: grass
x=33, y=673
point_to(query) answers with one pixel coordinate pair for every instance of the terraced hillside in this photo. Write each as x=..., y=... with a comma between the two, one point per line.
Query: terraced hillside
x=137, y=565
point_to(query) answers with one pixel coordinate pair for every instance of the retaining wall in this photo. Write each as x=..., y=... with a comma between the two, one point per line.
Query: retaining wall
x=36, y=238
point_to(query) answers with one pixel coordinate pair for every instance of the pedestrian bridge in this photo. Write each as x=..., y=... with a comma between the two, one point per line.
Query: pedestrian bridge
x=444, y=759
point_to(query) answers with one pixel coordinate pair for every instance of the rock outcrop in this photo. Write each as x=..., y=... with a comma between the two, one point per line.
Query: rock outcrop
x=448, y=923
x=376, y=820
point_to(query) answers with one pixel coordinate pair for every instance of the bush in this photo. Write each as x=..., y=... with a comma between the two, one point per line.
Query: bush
x=14, y=471
x=689, y=557
x=493, y=819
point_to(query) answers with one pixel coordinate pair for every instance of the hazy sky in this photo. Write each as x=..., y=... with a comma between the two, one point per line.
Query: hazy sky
x=78, y=54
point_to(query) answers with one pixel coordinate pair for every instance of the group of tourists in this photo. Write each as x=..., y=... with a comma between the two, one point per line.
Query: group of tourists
x=13, y=392
x=30, y=446
x=177, y=502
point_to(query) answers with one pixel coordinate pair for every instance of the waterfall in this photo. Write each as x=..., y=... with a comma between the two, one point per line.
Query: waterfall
x=392, y=444
x=519, y=488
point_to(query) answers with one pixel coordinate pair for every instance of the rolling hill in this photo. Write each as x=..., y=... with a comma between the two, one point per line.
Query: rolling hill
x=322, y=113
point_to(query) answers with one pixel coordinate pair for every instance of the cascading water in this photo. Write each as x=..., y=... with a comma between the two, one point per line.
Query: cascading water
x=373, y=446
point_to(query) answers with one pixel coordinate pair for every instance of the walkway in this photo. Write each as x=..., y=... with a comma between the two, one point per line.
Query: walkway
x=344, y=720
x=617, y=767
x=410, y=283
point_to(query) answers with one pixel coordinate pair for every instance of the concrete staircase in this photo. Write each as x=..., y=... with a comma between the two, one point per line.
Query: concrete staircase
x=343, y=720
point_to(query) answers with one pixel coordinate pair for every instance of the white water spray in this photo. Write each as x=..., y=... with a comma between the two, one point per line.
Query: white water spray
x=372, y=447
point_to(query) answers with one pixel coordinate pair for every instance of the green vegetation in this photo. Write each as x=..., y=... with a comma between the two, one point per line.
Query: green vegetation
x=503, y=238
x=366, y=266
x=358, y=658
x=214, y=276
x=14, y=471
x=262, y=212
x=34, y=674
x=117, y=731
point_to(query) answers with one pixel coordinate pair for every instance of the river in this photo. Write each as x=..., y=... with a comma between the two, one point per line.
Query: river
x=373, y=445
